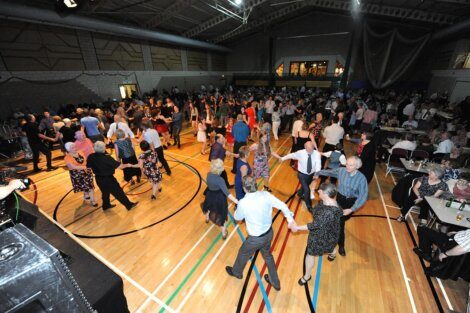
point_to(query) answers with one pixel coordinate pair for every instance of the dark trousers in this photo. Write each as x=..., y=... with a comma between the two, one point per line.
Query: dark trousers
x=305, y=181
x=344, y=203
x=176, y=134
x=423, y=206
x=326, y=148
x=161, y=158
x=249, y=247
x=236, y=148
x=40, y=147
x=428, y=237
x=110, y=186
x=96, y=138
x=289, y=121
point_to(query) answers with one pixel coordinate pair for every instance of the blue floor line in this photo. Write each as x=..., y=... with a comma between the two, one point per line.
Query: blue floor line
x=257, y=274
x=317, y=283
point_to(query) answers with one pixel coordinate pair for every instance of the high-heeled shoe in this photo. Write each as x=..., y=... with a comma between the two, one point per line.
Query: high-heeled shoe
x=224, y=235
x=153, y=197
x=331, y=257
x=303, y=281
x=94, y=204
x=266, y=188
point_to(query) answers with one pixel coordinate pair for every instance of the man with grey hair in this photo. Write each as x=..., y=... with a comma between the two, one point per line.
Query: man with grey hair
x=352, y=192
x=103, y=166
x=256, y=209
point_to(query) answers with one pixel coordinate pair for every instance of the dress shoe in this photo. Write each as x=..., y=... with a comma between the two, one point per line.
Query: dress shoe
x=52, y=168
x=266, y=278
x=37, y=170
x=109, y=207
x=133, y=205
x=229, y=270
x=341, y=251
x=302, y=281
x=421, y=254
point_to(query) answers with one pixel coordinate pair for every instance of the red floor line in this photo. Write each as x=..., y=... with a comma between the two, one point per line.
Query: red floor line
x=255, y=288
x=281, y=253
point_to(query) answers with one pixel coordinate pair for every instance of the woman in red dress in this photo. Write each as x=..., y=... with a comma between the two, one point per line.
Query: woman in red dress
x=250, y=118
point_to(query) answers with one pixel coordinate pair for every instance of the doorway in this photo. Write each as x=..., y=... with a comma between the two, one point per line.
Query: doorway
x=129, y=91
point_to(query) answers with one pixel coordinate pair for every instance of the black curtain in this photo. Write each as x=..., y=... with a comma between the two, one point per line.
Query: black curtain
x=388, y=55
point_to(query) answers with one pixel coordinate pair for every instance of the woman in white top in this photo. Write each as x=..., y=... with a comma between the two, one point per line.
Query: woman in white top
x=194, y=116
x=202, y=135
x=276, y=119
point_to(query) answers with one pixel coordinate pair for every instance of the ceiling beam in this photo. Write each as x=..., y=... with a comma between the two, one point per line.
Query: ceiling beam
x=169, y=12
x=345, y=6
x=249, y=5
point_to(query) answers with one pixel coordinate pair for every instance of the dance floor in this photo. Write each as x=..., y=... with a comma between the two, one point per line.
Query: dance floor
x=171, y=260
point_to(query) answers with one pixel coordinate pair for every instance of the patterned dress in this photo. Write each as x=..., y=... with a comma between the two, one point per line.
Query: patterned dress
x=324, y=230
x=151, y=169
x=82, y=180
x=260, y=165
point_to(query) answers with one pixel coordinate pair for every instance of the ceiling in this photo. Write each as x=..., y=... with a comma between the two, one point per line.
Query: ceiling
x=200, y=19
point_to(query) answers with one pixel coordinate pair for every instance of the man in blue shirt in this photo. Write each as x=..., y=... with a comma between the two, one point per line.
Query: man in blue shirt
x=352, y=192
x=240, y=132
x=91, y=125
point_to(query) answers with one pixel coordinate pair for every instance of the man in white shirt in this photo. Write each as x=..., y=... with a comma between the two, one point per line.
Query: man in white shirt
x=150, y=135
x=118, y=124
x=333, y=134
x=409, y=110
x=256, y=208
x=406, y=143
x=445, y=146
x=269, y=108
x=309, y=162
x=410, y=123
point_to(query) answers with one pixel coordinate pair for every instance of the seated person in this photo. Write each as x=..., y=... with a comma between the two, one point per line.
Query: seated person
x=424, y=144
x=451, y=169
x=461, y=190
x=410, y=123
x=427, y=186
x=450, y=244
x=445, y=145
x=407, y=143
x=393, y=121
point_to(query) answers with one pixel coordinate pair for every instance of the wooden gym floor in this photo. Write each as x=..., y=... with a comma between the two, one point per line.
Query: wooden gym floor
x=171, y=260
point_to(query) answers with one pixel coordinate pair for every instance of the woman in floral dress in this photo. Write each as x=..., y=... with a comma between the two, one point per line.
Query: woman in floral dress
x=80, y=175
x=260, y=163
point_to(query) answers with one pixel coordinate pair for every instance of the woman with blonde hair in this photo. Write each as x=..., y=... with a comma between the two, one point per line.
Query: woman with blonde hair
x=80, y=175
x=215, y=205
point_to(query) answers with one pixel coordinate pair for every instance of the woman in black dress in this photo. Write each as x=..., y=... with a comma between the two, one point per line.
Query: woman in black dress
x=323, y=231
x=215, y=205
x=126, y=154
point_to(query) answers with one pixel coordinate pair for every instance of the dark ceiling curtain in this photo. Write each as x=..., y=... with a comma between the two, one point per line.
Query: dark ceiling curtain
x=388, y=55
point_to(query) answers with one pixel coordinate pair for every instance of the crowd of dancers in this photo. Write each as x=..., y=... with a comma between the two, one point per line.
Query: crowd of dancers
x=236, y=123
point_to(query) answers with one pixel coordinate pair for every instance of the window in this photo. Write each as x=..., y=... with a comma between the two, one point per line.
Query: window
x=309, y=68
x=280, y=70
x=294, y=68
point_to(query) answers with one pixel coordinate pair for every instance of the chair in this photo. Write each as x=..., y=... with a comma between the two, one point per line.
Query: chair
x=413, y=183
x=393, y=163
x=419, y=155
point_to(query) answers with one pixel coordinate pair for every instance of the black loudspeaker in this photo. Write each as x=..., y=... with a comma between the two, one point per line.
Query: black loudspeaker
x=34, y=278
x=20, y=210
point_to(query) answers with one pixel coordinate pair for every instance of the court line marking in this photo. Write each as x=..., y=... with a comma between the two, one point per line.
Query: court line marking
x=108, y=263
x=400, y=260
x=439, y=282
x=204, y=273
x=257, y=273
x=317, y=282
x=279, y=147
